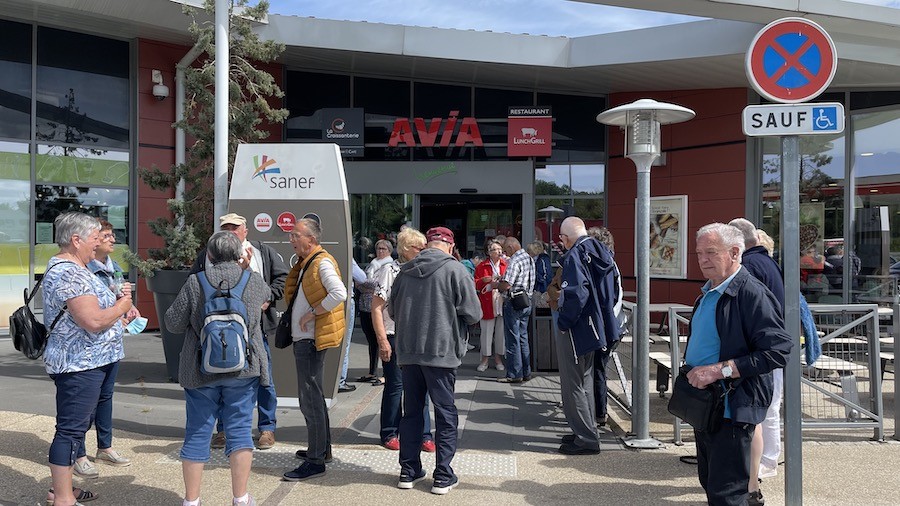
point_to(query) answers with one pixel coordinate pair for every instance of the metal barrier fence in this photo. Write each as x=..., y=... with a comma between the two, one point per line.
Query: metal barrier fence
x=842, y=390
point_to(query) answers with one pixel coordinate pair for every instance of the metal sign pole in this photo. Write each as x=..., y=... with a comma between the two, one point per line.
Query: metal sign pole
x=790, y=248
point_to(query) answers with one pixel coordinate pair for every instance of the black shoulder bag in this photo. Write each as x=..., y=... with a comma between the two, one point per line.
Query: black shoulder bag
x=29, y=335
x=283, y=337
x=702, y=408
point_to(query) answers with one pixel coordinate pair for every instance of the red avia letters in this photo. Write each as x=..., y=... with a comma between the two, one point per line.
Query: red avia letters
x=428, y=134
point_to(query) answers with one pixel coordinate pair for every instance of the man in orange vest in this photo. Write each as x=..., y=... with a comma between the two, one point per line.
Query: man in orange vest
x=317, y=297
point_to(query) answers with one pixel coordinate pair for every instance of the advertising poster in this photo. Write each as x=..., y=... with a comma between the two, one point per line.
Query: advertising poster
x=668, y=237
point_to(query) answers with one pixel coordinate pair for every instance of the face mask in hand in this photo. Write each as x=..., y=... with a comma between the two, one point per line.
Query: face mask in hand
x=137, y=325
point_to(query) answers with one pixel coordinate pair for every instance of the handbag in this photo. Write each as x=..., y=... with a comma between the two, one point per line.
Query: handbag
x=518, y=298
x=701, y=408
x=283, y=337
x=29, y=335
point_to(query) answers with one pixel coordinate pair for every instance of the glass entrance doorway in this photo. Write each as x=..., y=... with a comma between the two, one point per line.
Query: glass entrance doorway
x=473, y=219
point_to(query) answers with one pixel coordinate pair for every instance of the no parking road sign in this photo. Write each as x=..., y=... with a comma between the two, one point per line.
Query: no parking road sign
x=791, y=60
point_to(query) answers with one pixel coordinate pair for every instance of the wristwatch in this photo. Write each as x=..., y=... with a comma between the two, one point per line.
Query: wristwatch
x=727, y=370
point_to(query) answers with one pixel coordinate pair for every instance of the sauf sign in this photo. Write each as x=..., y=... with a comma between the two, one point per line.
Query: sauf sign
x=405, y=132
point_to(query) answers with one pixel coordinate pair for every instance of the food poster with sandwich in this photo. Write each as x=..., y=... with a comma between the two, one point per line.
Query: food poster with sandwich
x=668, y=237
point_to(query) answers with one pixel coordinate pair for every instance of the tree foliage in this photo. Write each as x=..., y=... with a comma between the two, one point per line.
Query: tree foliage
x=249, y=94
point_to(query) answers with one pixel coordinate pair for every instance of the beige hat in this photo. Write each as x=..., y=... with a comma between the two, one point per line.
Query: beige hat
x=232, y=219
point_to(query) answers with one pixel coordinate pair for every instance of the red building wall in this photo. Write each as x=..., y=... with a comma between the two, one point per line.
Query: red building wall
x=156, y=146
x=705, y=160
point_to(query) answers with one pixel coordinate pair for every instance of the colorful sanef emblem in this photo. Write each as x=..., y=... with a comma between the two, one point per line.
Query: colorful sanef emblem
x=265, y=167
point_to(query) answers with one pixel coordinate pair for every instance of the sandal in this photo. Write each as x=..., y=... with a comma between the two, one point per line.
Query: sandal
x=378, y=382
x=368, y=378
x=80, y=497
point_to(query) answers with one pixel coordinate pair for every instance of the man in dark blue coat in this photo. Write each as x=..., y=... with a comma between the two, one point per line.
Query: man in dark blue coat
x=737, y=337
x=587, y=325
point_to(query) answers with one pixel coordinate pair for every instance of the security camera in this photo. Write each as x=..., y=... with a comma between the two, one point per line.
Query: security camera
x=160, y=91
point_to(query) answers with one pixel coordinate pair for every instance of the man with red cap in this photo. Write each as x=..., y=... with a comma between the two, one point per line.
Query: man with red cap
x=432, y=301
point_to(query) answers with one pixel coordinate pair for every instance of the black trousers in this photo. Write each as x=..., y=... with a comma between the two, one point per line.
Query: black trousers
x=365, y=319
x=723, y=463
x=601, y=359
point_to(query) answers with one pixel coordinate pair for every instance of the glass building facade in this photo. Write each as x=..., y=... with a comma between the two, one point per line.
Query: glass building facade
x=65, y=143
x=849, y=202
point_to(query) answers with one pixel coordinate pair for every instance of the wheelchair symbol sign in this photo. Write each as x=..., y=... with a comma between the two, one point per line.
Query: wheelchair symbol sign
x=825, y=118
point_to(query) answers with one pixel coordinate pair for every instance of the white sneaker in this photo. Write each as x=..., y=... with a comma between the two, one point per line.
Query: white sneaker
x=112, y=458
x=500, y=367
x=767, y=472
x=85, y=469
x=481, y=367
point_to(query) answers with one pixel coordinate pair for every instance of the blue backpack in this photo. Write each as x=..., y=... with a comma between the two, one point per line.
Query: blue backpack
x=224, y=338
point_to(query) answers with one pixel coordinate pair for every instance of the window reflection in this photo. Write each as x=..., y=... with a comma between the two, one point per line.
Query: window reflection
x=15, y=80
x=376, y=217
x=82, y=95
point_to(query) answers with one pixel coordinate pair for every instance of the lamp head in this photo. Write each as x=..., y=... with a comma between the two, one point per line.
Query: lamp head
x=641, y=120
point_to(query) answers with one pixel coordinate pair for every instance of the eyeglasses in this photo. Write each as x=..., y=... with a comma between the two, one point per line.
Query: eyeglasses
x=562, y=235
x=383, y=249
x=107, y=236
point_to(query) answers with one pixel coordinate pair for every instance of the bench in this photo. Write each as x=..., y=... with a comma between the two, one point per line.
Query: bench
x=663, y=370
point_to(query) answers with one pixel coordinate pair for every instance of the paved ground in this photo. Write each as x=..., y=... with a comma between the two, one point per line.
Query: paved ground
x=506, y=453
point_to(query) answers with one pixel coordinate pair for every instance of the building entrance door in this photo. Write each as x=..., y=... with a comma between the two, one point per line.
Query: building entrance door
x=473, y=219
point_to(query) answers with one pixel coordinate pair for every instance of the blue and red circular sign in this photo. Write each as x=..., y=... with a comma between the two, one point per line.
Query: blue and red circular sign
x=791, y=60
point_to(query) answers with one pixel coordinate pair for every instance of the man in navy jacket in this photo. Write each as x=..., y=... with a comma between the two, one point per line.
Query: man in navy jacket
x=736, y=336
x=588, y=325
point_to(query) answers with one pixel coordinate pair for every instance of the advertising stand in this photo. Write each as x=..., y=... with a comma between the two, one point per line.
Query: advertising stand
x=273, y=186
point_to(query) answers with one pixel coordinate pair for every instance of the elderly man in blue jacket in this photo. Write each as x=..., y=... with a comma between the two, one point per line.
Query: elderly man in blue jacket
x=737, y=337
x=588, y=325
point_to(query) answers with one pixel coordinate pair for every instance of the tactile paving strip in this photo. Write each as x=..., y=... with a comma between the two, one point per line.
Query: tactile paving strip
x=368, y=461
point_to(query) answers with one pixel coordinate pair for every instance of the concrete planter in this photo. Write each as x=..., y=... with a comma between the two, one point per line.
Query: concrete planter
x=165, y=285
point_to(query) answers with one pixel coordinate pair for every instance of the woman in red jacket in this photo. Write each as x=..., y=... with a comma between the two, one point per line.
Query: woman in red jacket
x=487, y=278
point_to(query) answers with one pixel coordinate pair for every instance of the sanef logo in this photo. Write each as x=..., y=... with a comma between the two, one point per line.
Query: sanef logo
x=265, y=167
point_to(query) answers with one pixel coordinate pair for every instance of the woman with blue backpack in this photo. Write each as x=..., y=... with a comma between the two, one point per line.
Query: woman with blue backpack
x=223, y=362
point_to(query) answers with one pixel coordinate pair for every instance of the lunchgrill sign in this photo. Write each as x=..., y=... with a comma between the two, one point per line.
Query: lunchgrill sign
x=530, y=131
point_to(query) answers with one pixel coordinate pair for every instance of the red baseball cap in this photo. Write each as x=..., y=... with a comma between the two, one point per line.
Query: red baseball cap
x=440, y=234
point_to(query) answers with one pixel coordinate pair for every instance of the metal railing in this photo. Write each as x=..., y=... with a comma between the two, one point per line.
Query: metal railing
x=842, y=389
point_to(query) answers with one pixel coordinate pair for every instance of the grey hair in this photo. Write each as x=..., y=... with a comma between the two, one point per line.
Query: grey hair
x=313, y=227
x=224, y=246
x=728, y=234
x=491, y=242
x=70, y=224
x=748, y=229
x=603, y=235
x=386, y=243
x=535, y=248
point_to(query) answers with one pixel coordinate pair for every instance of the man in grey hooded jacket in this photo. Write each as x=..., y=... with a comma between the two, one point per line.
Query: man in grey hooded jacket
x=433, y=300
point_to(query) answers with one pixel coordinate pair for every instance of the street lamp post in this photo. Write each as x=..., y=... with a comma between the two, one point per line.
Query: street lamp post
x=550, y=211
x=641, y=120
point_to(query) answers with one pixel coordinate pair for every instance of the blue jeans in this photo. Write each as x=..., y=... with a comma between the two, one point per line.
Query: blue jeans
x=438, y=383
x=310, y=376
x=347, y=338
x=77, y=394
x=102, y=418
x=518, y=352
x=266, y=399
x=392, y=396
x=233, y=400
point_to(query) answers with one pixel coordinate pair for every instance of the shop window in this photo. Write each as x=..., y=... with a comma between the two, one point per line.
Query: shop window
x=552, y=180
x=52, y=200
x=383, y=100
x=437, y=100
x=83, y=93
x=870, y=99
x=15, y=204
x=15, y=80
x=588, y=179
x=306, y=93
x=577, y=136
x=376, y=217
x=82, y=166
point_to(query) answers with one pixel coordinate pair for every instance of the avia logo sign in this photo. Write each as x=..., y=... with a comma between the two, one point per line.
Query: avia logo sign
x=403, y=132
x=264, y=168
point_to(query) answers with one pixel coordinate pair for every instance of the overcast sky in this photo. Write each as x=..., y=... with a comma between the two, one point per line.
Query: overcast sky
x=536, y=17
